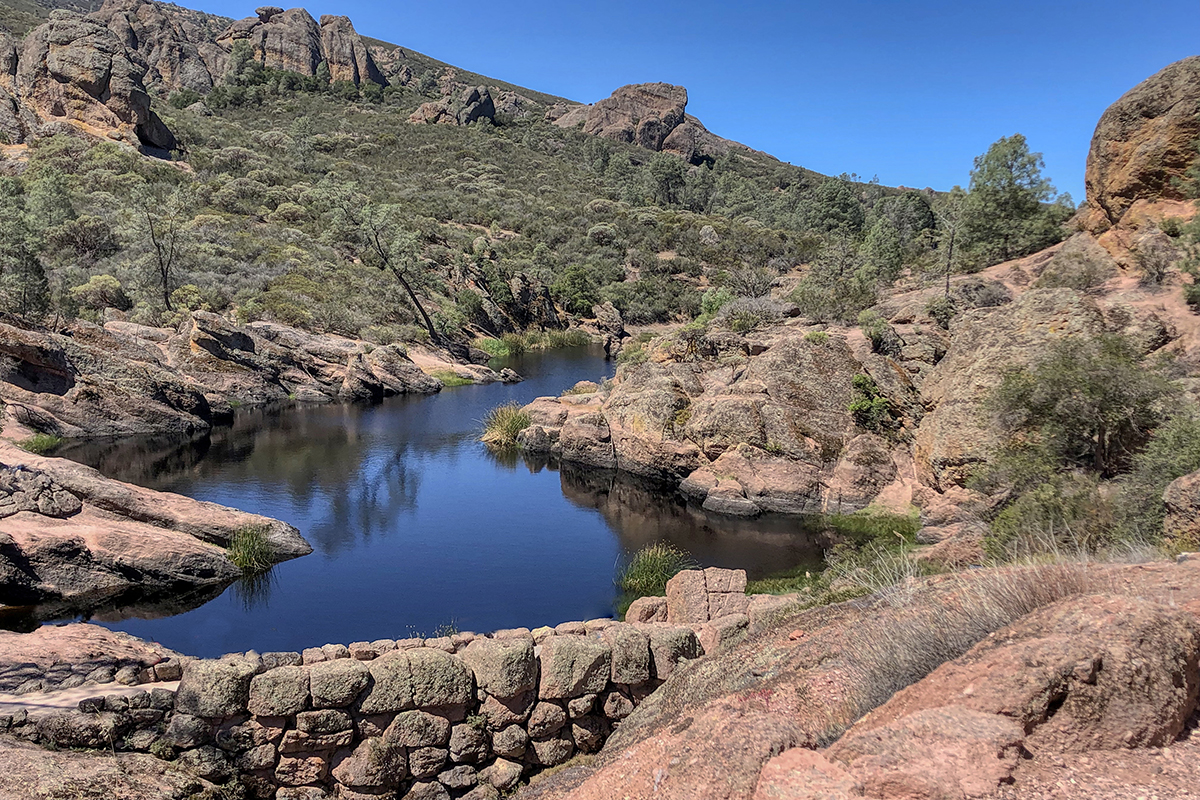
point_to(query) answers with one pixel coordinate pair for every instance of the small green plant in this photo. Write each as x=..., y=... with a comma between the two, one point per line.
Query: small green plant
x=41, y=443
x=816, y=337
x=883, y=339
x=449, y=628
x=502, y=424
x=449, y=377
x=477, y=721
x=650, y=568
x=871, y=410
x=941, y=310
x=631, y=354
x=571, y=338
x=161, y=750
x=250, y=550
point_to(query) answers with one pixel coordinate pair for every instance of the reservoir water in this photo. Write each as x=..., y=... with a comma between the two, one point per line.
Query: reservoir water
x=415, y=525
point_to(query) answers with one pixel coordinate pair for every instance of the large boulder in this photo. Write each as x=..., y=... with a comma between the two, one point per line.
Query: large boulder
x=1182, y=525
x=1096, y=672
x=76, y=69
x=1145, y=142
x=955, y=438
x=643, y=114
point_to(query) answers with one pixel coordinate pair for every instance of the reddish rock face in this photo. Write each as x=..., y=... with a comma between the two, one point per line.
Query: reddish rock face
x=1097, y=672
x=1145, y=142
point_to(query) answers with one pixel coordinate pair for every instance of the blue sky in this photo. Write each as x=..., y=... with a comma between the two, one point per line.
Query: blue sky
x=909, y=91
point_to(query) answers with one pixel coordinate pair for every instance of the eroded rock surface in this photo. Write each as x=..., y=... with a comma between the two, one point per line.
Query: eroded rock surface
x=1145, y=142
x=76, y=69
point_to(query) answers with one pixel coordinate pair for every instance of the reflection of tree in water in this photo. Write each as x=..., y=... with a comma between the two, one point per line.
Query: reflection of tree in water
x=368, y=505
x=641, y=512
x=317, y=455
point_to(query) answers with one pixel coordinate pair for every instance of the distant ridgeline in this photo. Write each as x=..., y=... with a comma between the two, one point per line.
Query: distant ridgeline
x=309, y=176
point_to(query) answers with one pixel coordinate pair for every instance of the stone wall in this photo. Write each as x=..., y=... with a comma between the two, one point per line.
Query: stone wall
x=465, y=716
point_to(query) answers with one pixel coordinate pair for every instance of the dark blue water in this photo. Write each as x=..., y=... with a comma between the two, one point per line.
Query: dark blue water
x=415, y=524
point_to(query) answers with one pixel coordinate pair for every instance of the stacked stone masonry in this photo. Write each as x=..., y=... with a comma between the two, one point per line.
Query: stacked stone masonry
x=463, y=716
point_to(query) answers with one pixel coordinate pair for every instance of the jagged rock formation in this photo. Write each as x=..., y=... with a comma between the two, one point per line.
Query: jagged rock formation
x=289, y=40
x=178, y=44
x=348, y=57
x=292, y=40
x=650, y=115
x=75, y=69
x=1144, y=144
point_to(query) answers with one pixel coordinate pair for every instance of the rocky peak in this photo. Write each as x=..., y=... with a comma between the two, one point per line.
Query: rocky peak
x=289, y=40
x=1144, y=143
x=346, y=53
x=643, y=114
x=75, y=69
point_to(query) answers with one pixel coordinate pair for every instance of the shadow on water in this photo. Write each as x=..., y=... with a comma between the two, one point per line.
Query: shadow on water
x=413, y=522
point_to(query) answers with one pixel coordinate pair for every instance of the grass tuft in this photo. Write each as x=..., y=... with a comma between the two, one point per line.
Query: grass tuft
x=502, y=424
x=41, y=443
x=648, y=571
x=250, y=550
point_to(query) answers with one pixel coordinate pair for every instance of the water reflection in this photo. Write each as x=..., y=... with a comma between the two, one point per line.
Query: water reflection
x=414, y=522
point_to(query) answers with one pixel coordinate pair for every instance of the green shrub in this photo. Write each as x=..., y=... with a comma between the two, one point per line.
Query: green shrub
x=250, y=550
x=502, y=424
x=748, y=313
x=1068, y=515
x=870, y=409
x=514, y=343
x=941, y=310
x=632, y=354
x=493, y=347
x=817, y=337
x=881, y=335
x=41, y=443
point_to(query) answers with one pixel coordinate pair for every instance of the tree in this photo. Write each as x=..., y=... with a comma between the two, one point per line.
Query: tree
x=1087, y=403
x=160, y=219
x=668, y=177
x=24, y=288
x=1009, y=211
x=950, y=212
x=379, y=237
x=832, y=207
x=883, y=252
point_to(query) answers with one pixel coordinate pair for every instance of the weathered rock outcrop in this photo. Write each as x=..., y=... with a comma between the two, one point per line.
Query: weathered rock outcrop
x=650, y=115
x=292, y=40
x=178, y=44
x=56, y=657
x=1182, y=525
x=126, y=379
x=473, y=104
x=347, y=54
x=76, y=69
x=1069, y=673
x=1144, y=143
x=70, y=534
x=746, y=424
x=288, y=40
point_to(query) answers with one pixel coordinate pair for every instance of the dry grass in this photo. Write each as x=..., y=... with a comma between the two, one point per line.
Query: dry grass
x=904, y=644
